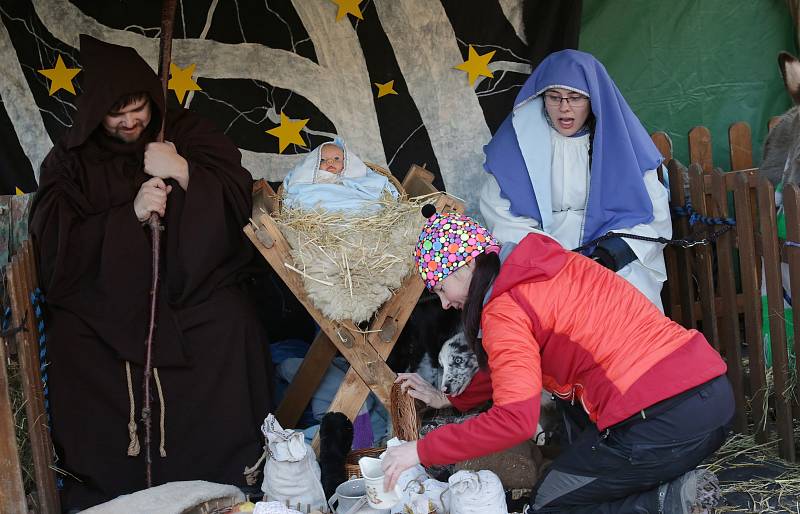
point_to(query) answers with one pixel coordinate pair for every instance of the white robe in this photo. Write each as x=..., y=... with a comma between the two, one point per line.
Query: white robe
x=569, y=186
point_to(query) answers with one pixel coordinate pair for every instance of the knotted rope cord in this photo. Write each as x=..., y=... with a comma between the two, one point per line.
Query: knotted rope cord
x=694, y=218
x=133, y=446
x=161, y=447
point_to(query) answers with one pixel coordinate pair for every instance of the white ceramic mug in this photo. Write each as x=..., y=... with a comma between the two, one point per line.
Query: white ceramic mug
x=372, y=472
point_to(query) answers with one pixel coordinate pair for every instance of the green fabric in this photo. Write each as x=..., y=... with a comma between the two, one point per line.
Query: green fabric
x=686, y=63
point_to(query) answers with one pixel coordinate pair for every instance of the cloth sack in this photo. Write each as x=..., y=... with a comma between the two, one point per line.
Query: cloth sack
x=291, y=471
x=173, y=498
x=273, y=508
x=476, y=492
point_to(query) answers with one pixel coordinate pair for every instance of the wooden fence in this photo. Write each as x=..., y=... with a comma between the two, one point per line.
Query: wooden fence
x=717, y=288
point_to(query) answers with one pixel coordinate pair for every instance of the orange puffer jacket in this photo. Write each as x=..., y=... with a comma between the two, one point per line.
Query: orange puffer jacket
x=559, y=321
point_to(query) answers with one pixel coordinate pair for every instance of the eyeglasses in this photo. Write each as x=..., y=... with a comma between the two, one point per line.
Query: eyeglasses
x=555, y=100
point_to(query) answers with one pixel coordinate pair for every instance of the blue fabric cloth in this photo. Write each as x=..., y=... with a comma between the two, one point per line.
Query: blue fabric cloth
x=519, y=153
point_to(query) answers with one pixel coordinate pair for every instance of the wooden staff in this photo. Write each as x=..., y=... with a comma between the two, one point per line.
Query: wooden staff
x=164, y=58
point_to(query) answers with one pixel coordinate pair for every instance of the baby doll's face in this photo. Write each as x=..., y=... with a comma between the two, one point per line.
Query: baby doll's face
x=331, y=159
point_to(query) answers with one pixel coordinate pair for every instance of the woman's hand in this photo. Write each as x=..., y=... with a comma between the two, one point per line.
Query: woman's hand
x=419, y=388
x=396, y=460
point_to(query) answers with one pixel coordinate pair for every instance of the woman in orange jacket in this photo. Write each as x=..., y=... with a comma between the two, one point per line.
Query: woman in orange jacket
x=647, y=399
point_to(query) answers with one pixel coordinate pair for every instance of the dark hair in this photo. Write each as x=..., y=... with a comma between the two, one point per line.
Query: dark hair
x=487, y=266
x=591, y=122
x=128, y=100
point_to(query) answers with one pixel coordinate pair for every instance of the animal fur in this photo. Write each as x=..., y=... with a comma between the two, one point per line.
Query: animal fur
x=335, y=441
x=781, y=161
x=428, y=327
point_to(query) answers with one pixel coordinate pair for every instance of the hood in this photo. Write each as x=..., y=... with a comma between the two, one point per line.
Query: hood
x=535, y=259
x=109, y=73
x=306, y=170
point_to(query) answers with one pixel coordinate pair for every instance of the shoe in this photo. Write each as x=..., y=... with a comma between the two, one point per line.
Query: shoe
x=693, y=492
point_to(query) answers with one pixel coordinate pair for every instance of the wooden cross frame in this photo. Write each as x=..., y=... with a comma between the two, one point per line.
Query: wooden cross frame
x=366, y=351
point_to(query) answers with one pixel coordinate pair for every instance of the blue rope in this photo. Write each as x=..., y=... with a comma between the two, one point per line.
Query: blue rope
x=37, y=300
x=695, y=217
x=792, y=244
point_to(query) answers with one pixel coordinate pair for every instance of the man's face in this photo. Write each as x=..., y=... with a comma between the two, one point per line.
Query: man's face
x=128, y=123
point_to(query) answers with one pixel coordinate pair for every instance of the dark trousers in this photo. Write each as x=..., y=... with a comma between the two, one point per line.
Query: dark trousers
x=619, y=470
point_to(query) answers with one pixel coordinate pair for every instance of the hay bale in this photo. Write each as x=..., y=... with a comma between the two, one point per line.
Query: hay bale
x=351, y=264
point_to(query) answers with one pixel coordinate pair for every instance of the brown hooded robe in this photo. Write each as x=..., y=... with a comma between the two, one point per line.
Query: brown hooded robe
x=95, y=269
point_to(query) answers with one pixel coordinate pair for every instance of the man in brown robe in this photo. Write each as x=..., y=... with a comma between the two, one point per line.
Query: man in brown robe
x=101, y=181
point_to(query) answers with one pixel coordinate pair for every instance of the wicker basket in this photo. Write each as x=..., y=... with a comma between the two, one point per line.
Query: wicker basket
x=374, y=167
x=351, y=468
x=405, y=424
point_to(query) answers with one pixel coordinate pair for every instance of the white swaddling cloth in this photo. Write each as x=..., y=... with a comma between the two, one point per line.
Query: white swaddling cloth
x=356, y=189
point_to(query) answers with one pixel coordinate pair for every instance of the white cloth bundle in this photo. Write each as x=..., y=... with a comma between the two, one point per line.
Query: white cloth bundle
x=476, y=493
x=273, y=508
x=291, y=472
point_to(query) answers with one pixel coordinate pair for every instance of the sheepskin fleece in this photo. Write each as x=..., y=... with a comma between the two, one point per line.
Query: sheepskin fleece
x=365, y=259
x=173, y=498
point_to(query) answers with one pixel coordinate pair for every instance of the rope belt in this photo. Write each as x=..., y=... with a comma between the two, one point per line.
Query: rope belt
x=133, y=446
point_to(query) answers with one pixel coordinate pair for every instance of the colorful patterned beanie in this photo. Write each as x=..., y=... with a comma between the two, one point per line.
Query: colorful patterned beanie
x=447, y=242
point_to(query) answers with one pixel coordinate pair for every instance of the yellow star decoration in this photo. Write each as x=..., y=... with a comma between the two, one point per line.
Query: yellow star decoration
x=60, y=76
x=18, y=191
x=476, y=65
x=288, y=132
x=181, y=81
x=348, y=7
x=386, y=89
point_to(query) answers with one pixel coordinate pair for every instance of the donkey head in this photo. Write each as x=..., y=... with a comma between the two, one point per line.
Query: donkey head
x=781, y=160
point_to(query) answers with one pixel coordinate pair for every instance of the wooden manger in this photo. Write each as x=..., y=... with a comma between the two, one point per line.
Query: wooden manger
x=365, y=350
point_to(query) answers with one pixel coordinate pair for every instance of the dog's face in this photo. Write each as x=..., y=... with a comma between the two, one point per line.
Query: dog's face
x=459, y=365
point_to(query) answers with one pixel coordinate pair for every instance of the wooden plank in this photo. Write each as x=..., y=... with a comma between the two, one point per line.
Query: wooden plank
x=265, y=200
x=775, y=309
x=700, y=148
x=12, y=490
x=703, y=261
x=418, y=182
x=306, y=380
x=729, y=313
x=773, y=122
x=680, y=229
x=21, y=285
x=741, y=146
x=5, y=230
x=791, y=203
x=663, y=143
x=752, y=310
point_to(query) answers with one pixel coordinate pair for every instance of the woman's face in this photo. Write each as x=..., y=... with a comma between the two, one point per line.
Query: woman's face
x=452, y=290
x=567, y=109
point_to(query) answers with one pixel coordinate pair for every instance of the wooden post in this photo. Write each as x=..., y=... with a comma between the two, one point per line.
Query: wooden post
x=777, y=327
x=680, y=229
x=704, y=272
x=752, y=305
x=700, y=148
x=12, y=491
x=741, y=146
x=729, y=314
x=21, y=282
x=791, y=204
x=663, y=143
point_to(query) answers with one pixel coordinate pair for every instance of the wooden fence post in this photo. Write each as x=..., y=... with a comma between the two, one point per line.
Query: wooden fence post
x=700, y=148
x=703, y=265
x=752, y=305
x=729, y=315
x=680, y=229
x=741, y=146
x=791, y=204
x=776, y=319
